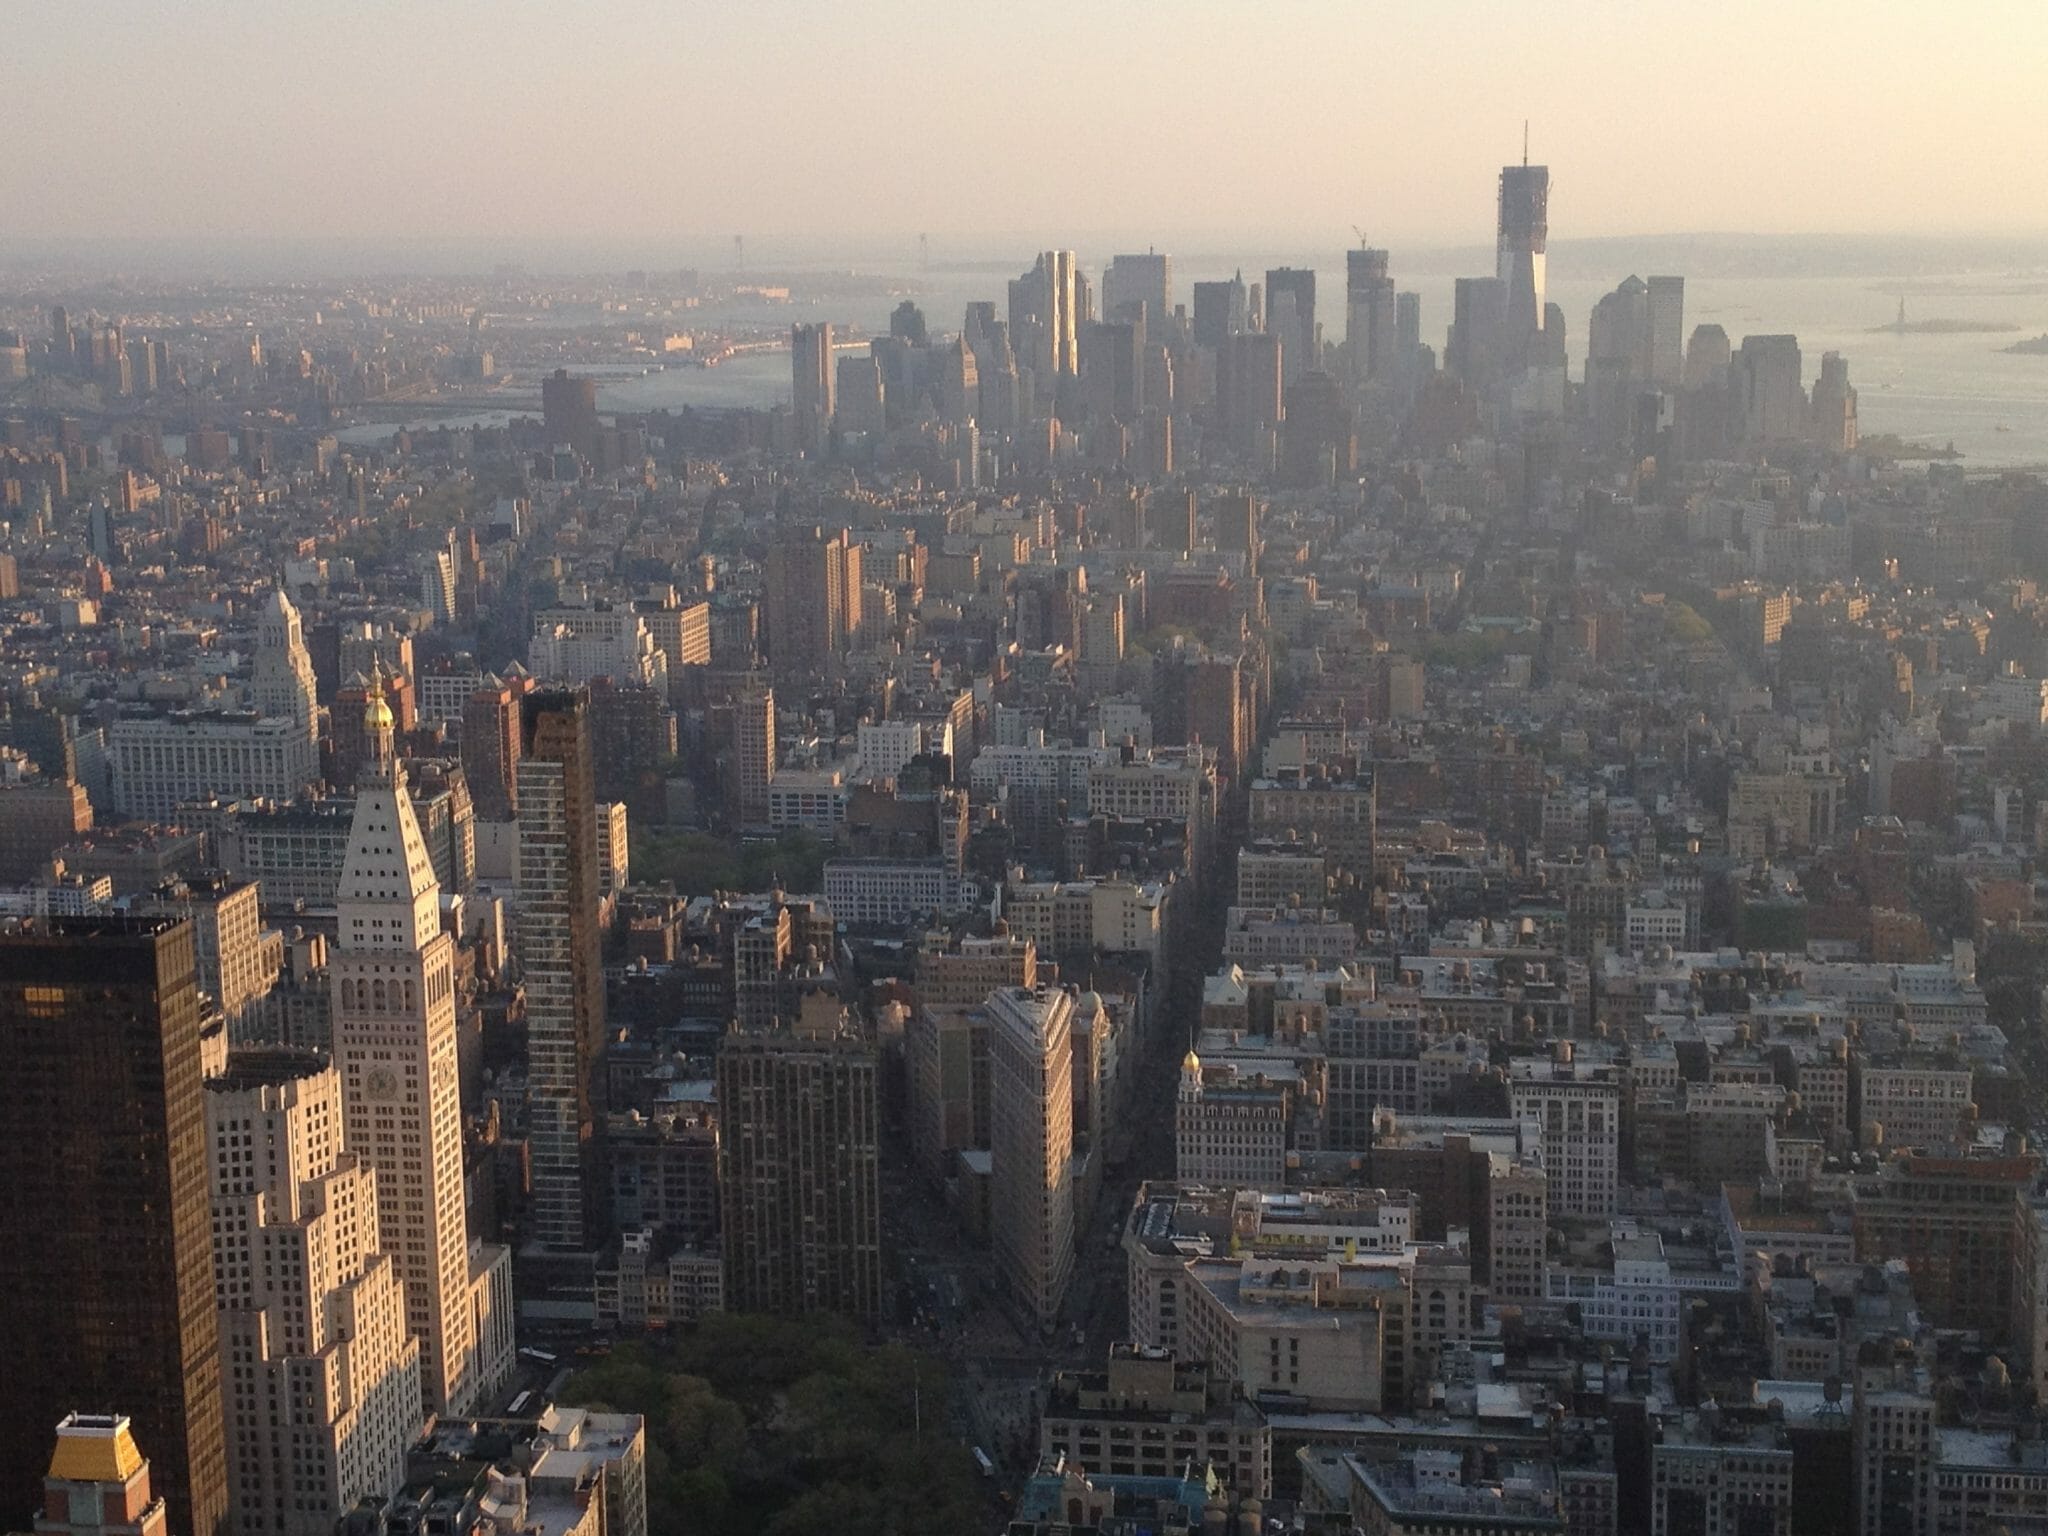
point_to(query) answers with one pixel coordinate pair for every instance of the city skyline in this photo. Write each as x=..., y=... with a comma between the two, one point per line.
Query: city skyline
x=1055, y=771
x=552, y=124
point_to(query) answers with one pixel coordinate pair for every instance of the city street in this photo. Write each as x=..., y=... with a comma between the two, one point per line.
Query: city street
x=951, y=1301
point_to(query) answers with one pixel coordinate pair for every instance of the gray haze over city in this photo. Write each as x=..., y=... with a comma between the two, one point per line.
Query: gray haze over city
x=1205, y=770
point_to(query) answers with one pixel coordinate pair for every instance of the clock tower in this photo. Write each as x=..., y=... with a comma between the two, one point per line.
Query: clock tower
x=393, y=972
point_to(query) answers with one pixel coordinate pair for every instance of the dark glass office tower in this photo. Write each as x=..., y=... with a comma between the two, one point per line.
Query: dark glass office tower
x=106, y=1257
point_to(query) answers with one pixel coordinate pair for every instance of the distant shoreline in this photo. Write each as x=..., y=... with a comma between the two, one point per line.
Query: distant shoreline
x=1889, y=445
x=1944, y=328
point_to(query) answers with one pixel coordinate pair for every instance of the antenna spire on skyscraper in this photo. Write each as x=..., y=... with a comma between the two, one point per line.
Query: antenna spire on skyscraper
x=1525, y=141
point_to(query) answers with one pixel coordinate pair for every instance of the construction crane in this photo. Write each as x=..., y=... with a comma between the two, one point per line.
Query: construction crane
x=1362, y=241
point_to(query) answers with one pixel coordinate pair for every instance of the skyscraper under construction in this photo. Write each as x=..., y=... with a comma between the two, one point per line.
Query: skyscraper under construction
x=1524, y=235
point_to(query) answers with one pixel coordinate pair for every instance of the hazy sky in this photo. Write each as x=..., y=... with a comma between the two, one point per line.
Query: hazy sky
x=800, y=121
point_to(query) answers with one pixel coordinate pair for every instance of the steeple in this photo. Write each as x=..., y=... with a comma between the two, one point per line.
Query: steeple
x=379, y=732
x=389, y=896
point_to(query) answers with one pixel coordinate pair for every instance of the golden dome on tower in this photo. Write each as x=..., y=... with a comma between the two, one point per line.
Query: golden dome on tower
x=377, y=714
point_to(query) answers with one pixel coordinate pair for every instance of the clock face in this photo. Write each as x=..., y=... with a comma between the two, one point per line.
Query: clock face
x=382, y=1083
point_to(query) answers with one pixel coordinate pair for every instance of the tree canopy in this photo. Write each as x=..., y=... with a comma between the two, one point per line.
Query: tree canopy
x=760, y=1426
x=698, y=862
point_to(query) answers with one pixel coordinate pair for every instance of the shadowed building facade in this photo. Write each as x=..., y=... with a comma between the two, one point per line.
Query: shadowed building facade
x=562, y=963
x=798, y=1143
x=106, y=1262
